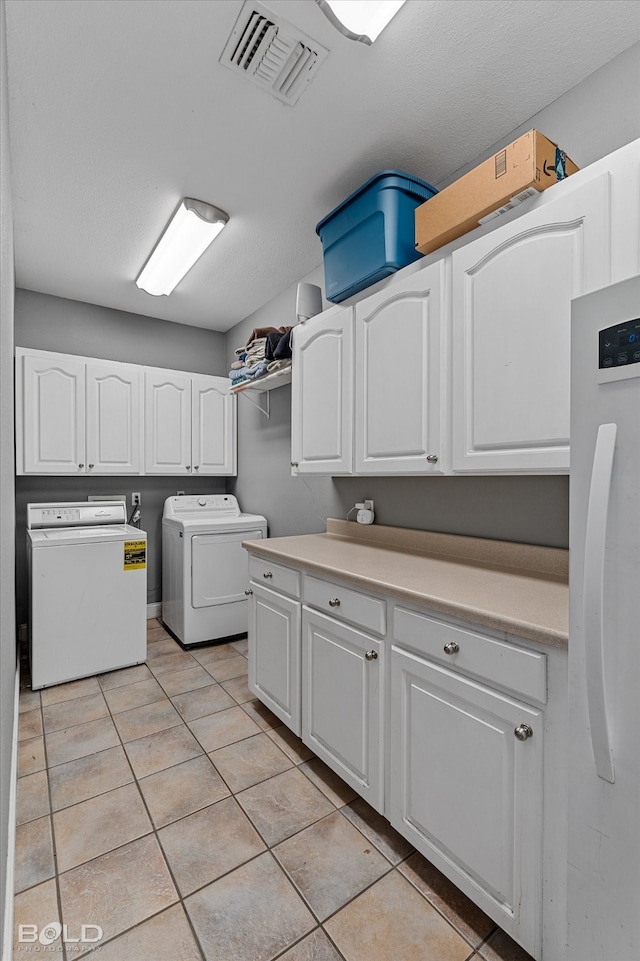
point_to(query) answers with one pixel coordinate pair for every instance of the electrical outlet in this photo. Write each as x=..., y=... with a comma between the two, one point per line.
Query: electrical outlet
x=136, y=499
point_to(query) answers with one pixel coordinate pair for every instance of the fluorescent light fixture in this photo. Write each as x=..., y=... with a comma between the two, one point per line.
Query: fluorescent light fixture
x=362, y=20
x=187, y=235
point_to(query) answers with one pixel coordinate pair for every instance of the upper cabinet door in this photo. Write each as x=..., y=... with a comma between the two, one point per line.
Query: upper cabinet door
x=400, y=376
x=213, y=410
x=322, y=392
x=512, y=292
x=167, y=422
x=114, y=439
x=52, y=437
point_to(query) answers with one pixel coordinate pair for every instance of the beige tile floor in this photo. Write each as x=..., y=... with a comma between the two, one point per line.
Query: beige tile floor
x=165, y=805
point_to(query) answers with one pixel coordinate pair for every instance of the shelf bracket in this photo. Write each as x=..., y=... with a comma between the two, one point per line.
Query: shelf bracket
x=263, y=402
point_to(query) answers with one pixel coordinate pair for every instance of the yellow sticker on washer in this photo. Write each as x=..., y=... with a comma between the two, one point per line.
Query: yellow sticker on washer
x=135, y=555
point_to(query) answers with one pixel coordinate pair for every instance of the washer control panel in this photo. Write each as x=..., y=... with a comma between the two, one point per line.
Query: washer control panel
x=75, y=514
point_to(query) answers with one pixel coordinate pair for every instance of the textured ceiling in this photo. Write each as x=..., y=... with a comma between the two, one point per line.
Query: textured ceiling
x=119, y=109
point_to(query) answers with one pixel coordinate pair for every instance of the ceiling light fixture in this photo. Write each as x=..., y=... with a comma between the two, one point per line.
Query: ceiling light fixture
x=362, y=20
x=187, y=235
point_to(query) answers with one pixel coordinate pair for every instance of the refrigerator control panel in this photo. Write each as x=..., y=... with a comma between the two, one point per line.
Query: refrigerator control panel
x=619, y=351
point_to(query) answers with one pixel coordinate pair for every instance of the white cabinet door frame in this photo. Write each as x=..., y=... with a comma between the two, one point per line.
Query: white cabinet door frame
x=114, y=421
x=512, y=292
x=400, y=368
x=343, y=702
x=322, y=394
x=51, y=414
x=167, y=422
x=466, y=792
x=213, y=412
x=274, y=653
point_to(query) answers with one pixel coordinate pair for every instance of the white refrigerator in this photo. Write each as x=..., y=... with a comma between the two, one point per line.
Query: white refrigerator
x=604, y=631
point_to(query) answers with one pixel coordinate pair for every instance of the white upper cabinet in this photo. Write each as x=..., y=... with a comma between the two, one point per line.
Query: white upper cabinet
x=322, y=393
x=167, y=419
x=114, y=438
x=76, y=416
x=50, y=406
x=83, y=415
x=400, y=375
x=213, y=426
x=190, y=424
x=512, y=292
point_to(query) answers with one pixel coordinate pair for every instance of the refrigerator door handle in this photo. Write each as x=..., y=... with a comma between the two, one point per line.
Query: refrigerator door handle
x=593, y=598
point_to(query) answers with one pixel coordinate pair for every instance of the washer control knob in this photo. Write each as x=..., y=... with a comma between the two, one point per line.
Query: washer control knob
x=202, y=502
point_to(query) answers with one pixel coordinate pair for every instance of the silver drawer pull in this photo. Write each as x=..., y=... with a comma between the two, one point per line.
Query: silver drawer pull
x=334, y=602
x=523, y=732
x=248, y=591
x=452, y=647
x=371, y=655
x=267, y=575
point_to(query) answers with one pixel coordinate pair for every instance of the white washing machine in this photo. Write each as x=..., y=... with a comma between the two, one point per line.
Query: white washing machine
x=205, y=569
x=87, y=590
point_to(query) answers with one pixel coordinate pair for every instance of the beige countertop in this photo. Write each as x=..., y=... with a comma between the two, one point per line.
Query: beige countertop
x=520, y=589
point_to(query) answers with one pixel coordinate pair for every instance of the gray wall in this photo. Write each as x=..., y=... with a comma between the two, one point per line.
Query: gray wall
x=53, y=323
x=7, y=517
x=596, y=117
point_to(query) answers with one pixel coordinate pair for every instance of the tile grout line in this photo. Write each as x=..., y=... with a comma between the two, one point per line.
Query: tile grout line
x=296, y=765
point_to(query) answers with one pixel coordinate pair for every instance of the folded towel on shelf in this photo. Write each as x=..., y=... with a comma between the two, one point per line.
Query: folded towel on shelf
x=276, y=365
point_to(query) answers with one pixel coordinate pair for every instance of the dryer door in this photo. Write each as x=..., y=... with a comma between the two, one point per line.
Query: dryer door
x=219, y=567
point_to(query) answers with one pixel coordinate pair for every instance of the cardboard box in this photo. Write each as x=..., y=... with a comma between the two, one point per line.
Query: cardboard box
x=531, y=163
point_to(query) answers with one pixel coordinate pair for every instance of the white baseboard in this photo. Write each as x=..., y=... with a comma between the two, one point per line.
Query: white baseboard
x=154, y=610
x=7, y=946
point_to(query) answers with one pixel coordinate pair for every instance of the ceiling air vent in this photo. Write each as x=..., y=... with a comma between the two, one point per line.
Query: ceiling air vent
x=272, y=53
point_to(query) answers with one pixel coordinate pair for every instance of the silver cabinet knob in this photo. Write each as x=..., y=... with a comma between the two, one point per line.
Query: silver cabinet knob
x=432, y=459
x=371, y=655
x=188, y=467
x=334, y=602
x=451, y=647
x=248, y=591
x=91, y=466
x=267, y=575
x=294, y=463
x=80, y=466
x=523, y=732
x=197, y=467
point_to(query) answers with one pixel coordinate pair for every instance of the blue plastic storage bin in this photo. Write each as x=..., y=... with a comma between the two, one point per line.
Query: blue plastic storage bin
x=372, y=233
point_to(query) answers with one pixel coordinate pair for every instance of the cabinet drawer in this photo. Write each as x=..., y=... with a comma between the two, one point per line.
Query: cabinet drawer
x=499, y=663
x=274, y=575
x=341, y=602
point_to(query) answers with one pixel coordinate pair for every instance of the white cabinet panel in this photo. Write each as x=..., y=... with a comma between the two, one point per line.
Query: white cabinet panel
x=274, y=653
x=512, y=292
x=114, y=438
x=51, y=414
x=213, y=426
x=400, y=354
x=167, y=422
x=190, y=424
x=321, y=393
x=343, y=702
x=466, y=791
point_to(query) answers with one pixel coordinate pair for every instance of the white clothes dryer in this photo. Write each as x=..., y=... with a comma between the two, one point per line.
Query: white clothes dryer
x=205, y=569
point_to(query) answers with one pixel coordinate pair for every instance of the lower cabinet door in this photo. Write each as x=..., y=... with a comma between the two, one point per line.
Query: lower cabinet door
x=343, y=702
x=274, y=653
x=466, y=790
